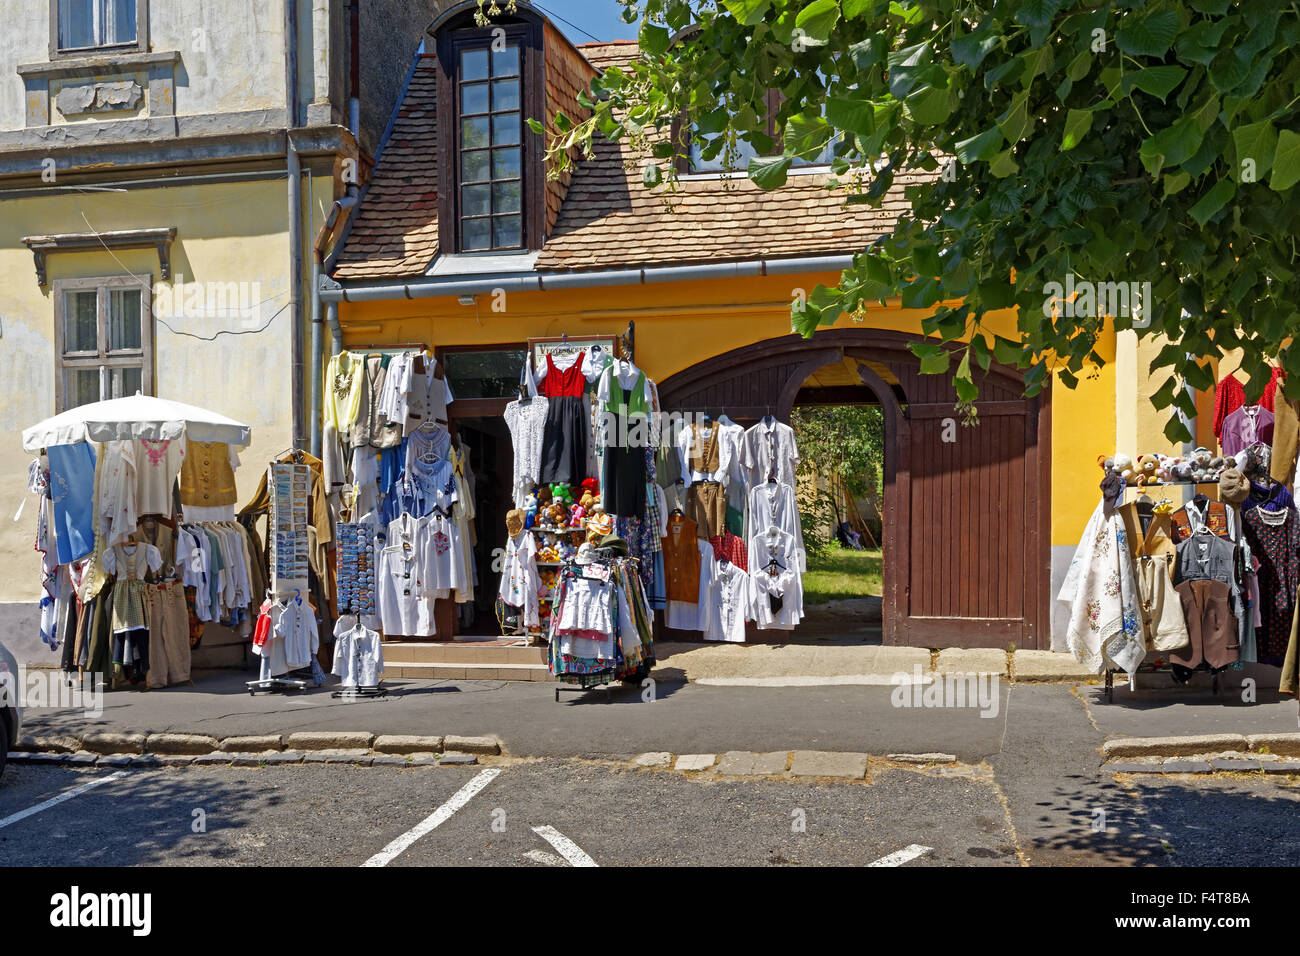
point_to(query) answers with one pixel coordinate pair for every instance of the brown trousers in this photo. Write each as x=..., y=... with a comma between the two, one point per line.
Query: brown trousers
x=169, y=635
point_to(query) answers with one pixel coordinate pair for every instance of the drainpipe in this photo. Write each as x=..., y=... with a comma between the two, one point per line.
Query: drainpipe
x=354, y=77
x=294, y=170
x=338, y=215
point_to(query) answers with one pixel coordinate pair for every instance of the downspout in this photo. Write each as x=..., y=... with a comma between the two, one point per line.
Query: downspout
x=294, y=170
x=338, y=215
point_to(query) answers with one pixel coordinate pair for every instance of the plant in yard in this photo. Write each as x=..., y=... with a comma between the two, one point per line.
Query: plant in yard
x=1067, y=151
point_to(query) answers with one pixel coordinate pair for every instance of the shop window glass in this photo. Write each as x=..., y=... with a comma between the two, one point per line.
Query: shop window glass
x=488, y=374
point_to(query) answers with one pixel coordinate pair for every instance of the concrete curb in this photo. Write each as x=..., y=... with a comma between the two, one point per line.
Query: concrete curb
x=273, y=758
x=1223, y=763
x=358, y=748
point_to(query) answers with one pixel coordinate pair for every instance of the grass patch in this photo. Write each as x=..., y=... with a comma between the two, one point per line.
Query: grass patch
x=838, y=574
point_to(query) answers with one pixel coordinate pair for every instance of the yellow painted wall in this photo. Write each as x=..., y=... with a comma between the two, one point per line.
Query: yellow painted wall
x=681, y=324
x=226, y=233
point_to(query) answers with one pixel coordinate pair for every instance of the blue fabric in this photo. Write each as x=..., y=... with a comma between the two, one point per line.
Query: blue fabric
x=427, y=485
x=390, y=466
x=72, y=490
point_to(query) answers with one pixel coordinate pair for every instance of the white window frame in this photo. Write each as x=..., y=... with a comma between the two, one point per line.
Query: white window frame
x=102, y=358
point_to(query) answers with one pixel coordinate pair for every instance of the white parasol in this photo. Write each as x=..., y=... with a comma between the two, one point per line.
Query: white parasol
x=138, y=416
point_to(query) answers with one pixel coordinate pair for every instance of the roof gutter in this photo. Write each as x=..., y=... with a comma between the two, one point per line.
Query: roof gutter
x=545, y=281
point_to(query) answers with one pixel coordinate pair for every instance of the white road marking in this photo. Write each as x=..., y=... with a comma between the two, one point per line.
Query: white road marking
x=550, y=859
x=436, y=819
x=856, y=680
x=61, y=798
x=567, y=848
x=905, y=855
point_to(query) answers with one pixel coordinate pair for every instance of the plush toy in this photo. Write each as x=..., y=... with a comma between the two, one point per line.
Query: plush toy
x=558, y=515
x=592, y=485
x=1146, y=468
x=587, y=502
x=543, y=493
x=562, y=494
x=576, y=517
x=530, y=511
x=599, y=524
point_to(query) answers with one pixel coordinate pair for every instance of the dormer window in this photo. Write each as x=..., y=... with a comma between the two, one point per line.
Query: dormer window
x=490, y=147
x=491, y=178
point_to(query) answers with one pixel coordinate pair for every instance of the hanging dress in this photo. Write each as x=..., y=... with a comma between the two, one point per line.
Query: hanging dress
x=1275, y=542
x=564, y=437
x=623, y=481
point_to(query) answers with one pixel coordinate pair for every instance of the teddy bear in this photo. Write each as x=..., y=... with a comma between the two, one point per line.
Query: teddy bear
x=1147, y=466
x=557, y=514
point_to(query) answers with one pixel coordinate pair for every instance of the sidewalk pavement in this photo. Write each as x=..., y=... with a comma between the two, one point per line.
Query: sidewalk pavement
x=871, y=664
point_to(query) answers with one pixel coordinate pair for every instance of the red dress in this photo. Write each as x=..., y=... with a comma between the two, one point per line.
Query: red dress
x=565, y=434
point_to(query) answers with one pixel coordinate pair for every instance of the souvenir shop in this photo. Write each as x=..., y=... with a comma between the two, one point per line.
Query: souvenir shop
x=138, y=538
x=699, y=512
x=1192, y=563
x=602, y=518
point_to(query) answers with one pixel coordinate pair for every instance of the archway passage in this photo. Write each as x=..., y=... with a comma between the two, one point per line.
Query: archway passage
x=966, y=509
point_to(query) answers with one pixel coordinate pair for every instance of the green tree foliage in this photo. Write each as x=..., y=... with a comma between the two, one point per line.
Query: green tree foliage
x=841, y=445
x=1122, y=141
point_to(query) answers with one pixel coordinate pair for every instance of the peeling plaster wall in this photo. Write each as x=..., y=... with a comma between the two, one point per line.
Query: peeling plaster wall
x=226, y=233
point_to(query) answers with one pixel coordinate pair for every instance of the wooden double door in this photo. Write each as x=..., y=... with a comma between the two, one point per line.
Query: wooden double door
x=967, y=560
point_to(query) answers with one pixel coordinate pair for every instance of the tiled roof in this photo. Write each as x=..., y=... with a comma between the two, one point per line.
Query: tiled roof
x=395, y=229
x=608, y=218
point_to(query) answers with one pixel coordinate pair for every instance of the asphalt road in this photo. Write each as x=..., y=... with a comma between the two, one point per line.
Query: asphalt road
x=567, y=812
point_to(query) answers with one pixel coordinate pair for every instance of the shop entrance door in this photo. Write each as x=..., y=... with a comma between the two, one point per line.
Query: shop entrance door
x=966, y=553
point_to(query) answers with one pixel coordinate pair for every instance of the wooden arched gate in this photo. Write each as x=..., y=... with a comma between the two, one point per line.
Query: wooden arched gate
x=967, y=558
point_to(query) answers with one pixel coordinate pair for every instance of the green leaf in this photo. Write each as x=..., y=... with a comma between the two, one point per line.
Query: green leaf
x=1159, y=81
x=970, y=49
x=967, y=390
x=1006, y=351
x=852, y=114
x=652, y=175
x=1170, y=146
x=654, y=39
x=935, y=360
x=1286, y=162
x=1151, y=35
x=925, y=260
x=1256, y=142
x=1037, y=15
x=536, y=126
x=769, y=172
x=817, y=20
x=1176, y=182
x=1212, y=201
x=748, y=12
x=1004, y=164
x=997, y=294
x=979, y=147
x=930, y=106
x=1077, y=124
x=1014, y=123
